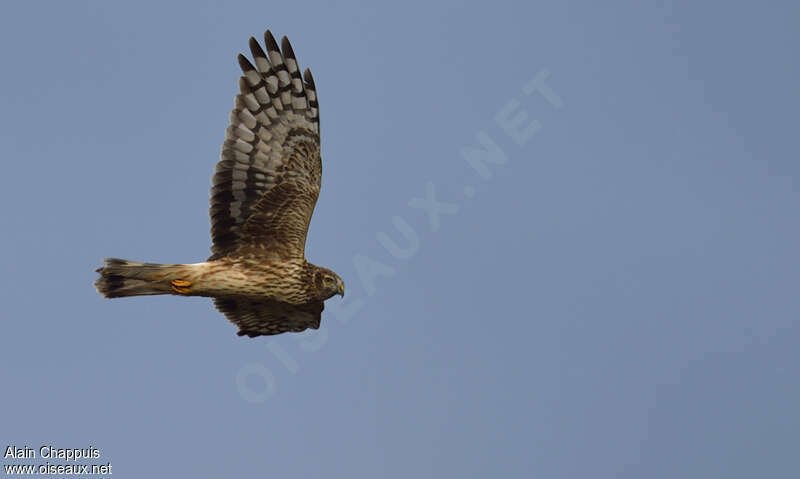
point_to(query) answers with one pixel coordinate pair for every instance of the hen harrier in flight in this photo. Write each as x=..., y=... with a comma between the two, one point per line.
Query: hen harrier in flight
x=263, y=194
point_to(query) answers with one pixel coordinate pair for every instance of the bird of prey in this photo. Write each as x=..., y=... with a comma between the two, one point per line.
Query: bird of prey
x=263, y=193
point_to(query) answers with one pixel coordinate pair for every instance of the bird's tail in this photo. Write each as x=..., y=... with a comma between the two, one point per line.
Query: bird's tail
x=120, y=278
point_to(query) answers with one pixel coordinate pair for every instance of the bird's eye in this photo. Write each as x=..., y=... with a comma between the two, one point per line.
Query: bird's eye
x=328, y=280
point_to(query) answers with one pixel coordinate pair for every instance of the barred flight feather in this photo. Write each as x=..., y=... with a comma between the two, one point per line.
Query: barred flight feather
x=273, y=139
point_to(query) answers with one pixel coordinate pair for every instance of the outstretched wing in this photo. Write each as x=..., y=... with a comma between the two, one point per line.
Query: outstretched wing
x=267, y=182
x=265, y=317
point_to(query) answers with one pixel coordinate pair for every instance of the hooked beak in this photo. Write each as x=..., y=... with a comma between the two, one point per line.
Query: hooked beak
x=340, y=291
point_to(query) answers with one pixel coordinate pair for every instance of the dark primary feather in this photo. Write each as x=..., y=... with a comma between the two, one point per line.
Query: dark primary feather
x=272, y=140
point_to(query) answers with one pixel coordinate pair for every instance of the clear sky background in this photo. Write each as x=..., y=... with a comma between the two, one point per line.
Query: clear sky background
x=618, y=299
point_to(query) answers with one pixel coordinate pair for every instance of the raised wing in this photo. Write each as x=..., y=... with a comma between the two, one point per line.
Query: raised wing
x=267, y=182
x=265, y=318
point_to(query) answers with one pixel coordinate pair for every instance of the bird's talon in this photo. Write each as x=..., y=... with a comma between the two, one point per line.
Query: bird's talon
x=180, y=286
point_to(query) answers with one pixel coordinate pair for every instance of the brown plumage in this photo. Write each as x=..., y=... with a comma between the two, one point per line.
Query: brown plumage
x=264, y=191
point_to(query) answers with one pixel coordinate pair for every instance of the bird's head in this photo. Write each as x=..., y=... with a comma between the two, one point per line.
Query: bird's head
x=328, y=283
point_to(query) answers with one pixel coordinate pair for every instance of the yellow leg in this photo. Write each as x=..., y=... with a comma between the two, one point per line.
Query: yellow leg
x=181, y=286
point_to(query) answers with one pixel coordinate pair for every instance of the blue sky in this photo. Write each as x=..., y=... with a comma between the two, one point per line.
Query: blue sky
x=613, y=295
